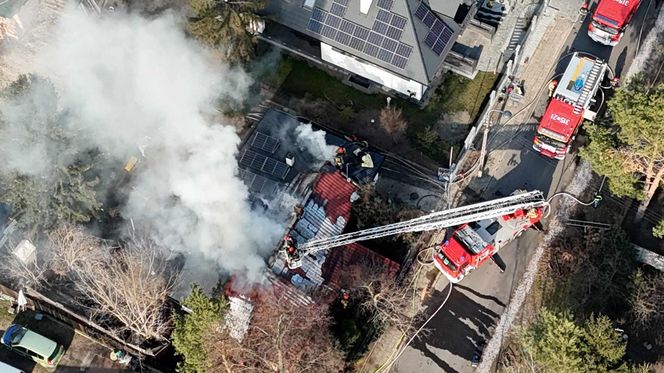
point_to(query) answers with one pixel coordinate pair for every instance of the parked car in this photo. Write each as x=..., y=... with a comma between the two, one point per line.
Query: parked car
x=32, y=345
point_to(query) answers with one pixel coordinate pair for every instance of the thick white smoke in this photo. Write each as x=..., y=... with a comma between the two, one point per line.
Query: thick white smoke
x=131, y=82
x=314, y=142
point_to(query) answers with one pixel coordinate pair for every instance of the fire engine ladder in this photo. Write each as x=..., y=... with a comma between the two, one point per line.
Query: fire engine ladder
x=436, y=220
x=588, y=87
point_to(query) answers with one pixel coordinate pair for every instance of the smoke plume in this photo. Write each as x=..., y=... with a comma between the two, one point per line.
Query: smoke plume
x=129, y=83
x=314, y=141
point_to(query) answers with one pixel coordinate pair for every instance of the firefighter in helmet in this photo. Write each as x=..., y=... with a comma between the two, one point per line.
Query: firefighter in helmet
x=289, y=247
x=339, y=158
x=615, y=82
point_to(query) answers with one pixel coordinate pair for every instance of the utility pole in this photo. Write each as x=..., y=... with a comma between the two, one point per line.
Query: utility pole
x=485, y=136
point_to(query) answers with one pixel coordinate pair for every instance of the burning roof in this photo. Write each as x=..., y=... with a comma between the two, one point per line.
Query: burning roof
x=242, y=298
x=326, y=214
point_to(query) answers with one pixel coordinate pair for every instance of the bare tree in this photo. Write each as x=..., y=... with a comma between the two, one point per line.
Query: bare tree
x=647, y=297
x=129, y=283
x=382, y=297
x=283, y=337
x=392, y=120
x=69, y=247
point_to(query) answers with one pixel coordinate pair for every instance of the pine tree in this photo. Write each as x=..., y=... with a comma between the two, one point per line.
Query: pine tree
x=192, y=331
x=225, y=26
x=658, y=230
x=630, y=152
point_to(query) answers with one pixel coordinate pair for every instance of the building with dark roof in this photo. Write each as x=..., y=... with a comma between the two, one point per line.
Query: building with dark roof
x=285, y=152
x=324, y=169
x=398, y=45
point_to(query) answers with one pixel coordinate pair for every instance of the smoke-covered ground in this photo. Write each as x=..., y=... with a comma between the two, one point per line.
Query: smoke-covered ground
x=126, y=82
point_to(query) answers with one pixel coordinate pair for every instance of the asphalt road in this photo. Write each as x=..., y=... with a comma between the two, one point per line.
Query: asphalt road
x=477, y=302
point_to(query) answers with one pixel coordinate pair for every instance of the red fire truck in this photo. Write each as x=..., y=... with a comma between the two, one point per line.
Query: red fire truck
x=570, y=103
x=474, y=243
x=610, y=20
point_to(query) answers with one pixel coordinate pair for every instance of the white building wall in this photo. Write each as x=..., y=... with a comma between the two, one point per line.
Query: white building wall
x=372, y=72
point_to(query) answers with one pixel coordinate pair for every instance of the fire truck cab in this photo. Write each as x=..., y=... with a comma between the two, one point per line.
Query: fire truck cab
x=569, y=105
x=472, y=244
x=610, y=19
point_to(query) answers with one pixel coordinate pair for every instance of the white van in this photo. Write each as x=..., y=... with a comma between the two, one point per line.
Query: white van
x=6, y=368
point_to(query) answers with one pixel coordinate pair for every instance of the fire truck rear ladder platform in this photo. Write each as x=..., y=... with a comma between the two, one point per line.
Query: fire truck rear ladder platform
x=433, y=221
x=588, y=87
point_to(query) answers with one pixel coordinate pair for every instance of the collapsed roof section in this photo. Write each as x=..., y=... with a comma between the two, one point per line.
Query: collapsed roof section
x=243, y=297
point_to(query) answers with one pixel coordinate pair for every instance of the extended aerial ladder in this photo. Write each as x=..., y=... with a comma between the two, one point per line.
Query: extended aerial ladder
x=436, y=220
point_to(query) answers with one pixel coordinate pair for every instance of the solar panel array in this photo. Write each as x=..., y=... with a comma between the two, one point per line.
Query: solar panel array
x=259, y=162
x=258, y=183
x=385, y=4
x=439, y=34
x=381, y=42
x=264, y=142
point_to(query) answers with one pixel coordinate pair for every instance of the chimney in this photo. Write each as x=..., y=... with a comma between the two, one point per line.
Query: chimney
x=365, y=5
x=290, y=159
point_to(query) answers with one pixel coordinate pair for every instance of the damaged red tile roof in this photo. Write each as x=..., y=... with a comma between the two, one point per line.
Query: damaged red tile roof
x=335, y=191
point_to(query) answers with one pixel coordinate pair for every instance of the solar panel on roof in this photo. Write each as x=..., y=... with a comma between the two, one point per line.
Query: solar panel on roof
x=421, y=11
x=343, y=38
x=380, y=27
x=374, y=38
x=390, y=45
x=347, y=26
x=446, y=35
x=357, y=44
x=276, y=168
x=437, y=27
x=257, y=183
x=439, y=47
x=371, y=49
x=385, y=55
x=337, y=9
x=398, y=21
x=399, y=61
x=430, y=40
x=404, y=50
x=318, y=15
x=329, y=32
x=429, y=19
x=439, y=34
x=385, y=4
x=384, y=16
x=333, y=21
x=381, y=43
x=314, y=26
x=259, y=162
x=264, y=142
x=361, y=32
x=394, y=33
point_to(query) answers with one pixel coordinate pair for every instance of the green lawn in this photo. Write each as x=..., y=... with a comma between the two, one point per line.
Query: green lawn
x=296, y=78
